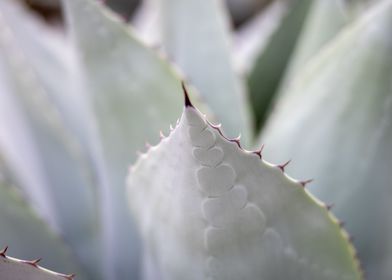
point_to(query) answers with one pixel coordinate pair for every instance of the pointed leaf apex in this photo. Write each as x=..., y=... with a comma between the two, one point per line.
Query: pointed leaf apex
x=187, y=101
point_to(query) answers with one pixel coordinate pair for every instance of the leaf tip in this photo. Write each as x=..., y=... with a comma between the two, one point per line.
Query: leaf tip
x=187, y=101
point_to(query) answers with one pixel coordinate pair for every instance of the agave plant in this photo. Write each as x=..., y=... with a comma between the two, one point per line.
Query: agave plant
x=79, y=107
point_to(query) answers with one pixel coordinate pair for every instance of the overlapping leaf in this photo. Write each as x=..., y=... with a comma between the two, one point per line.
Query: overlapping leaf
x=270, y=65
x=134, y=93
x=215, y=211
x=195, y=35
x=319, y=29
x=335, y=123
x=29, y=237
x=42, y=144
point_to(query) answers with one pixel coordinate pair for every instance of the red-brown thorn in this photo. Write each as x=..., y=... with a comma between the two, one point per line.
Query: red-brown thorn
x=329, y=206
x=4, y=251
x=283, y=166
x=304, y=183
x=33, y=262
x=259, y=151
x=341, y=224
x=237, y=141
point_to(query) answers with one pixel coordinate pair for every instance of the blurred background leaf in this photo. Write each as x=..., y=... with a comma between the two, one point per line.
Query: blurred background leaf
x=335, y=123
x=26, y=235
x=134, y=94
x=270, y=65
x=35, y=82
x=196, y=36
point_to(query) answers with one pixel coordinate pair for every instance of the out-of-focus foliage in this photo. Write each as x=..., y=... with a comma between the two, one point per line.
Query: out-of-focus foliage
x=269, y=67
x=79, y=99
x=335, y=123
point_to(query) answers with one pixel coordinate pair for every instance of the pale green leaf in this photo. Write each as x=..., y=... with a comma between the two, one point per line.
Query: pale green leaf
x=334, y=121
x=39, y=138
x=195, y=34
x=319, y=29
x=214, y=211
x=28, y=237
x=134, y=94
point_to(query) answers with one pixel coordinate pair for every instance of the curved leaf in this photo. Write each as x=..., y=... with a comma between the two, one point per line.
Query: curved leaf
x=196, y=36
x=29, y=237
x=271, y=63
x=133, y=95
x=255, y=35
x=335, y=123
x=209, y=210
x=319, y=29
x=38, y=139
x=168, y=24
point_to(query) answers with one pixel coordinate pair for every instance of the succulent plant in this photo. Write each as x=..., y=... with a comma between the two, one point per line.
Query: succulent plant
x=78, y=106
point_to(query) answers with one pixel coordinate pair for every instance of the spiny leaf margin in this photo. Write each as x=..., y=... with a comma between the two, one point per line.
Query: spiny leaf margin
x=12, y=268
x=337, y=233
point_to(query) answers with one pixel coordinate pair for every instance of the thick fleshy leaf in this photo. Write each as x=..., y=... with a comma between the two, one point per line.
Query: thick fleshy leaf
x=207, y=209
x=335, y=123
x=195, y=34
x=319, y=29
x=133, y=94
x=29, y=237
x=267, y=73
x=42, y=147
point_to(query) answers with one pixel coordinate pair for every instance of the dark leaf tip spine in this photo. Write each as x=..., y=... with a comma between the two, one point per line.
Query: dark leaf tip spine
x=187, y=101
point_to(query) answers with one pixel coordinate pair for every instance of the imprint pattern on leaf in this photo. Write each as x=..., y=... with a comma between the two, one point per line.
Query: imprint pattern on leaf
x=235, y=225
x=225, y=205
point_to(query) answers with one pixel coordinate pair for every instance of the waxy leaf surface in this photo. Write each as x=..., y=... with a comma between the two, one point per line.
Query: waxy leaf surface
x=207, y=209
